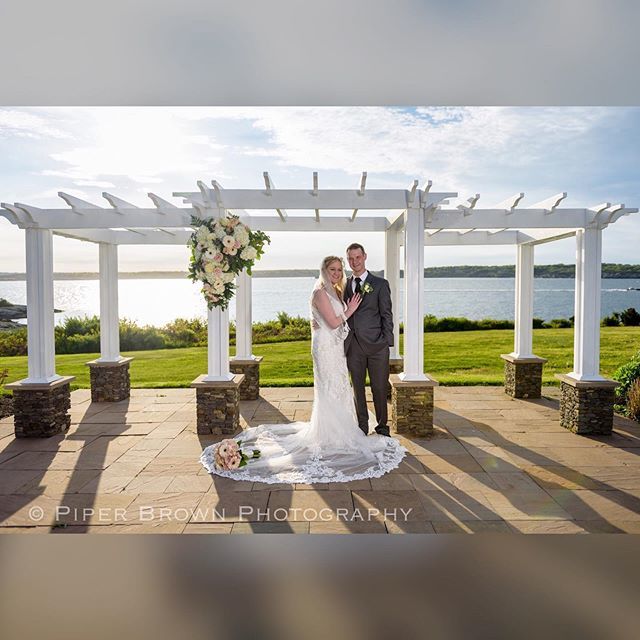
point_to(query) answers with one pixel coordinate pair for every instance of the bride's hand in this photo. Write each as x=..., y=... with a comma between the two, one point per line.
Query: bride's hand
x=354, y=303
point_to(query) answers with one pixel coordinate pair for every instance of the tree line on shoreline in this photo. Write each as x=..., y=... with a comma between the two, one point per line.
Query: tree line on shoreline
x=609, y=270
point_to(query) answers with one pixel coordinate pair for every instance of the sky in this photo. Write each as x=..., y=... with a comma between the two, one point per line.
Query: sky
x=592, y=153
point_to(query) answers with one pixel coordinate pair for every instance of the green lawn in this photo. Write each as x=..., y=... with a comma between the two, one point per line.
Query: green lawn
x=455, y=358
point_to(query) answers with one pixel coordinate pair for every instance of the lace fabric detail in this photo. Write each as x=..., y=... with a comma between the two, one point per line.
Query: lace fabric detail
x=330, y=447
x=318, y=468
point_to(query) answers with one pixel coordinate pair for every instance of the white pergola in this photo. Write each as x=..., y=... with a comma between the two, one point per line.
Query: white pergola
x=412, y=218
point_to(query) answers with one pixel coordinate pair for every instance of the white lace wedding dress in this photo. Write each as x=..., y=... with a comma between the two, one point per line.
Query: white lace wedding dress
x=329, y=448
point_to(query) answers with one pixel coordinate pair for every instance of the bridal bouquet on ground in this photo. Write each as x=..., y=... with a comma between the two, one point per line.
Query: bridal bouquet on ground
x=220, y=249
x=229, y=455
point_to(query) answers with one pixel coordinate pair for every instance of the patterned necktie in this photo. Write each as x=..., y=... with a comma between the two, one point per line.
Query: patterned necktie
x=357, y=289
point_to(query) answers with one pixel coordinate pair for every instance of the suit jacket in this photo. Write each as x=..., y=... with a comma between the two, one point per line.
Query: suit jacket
x=372, y=323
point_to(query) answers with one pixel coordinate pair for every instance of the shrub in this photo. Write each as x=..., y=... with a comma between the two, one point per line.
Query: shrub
x=611, y=321
x=626, y=375
x=135, y=338
x=538, y=323
x=185, y=333
x=13, y=342
x=560, y=323
x=633, y=401
x=283, y=318
x=490, y=323
x=630, y=317
x=79, y=343
x=80, y=326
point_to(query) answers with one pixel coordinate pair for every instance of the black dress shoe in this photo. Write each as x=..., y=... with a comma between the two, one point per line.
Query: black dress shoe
x=365, y=430
x=383, y=431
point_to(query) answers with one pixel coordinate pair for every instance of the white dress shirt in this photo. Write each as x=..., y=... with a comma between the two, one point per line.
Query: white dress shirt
x=362, y=277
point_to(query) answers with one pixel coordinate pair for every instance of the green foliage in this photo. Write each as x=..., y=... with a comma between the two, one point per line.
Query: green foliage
x=627, y=318
x=13, y=342
x=560, y=323
x=612, y=320
x=431, y=323
x=133, y=337
x=283, y=318
x=5, y=303
x=630, y=317
x=185, y=333
x=626, y=375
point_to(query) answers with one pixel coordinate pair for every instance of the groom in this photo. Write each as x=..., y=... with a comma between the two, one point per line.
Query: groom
x=370, y=336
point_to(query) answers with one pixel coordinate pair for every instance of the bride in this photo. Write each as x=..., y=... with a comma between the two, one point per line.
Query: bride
x=331, y=447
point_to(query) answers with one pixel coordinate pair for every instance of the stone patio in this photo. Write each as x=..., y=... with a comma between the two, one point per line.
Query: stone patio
x=493, y=464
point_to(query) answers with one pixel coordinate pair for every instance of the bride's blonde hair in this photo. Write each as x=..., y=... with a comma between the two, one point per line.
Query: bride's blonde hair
x=325, y=281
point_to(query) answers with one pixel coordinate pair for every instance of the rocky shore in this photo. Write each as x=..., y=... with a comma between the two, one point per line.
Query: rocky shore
x=11, y=312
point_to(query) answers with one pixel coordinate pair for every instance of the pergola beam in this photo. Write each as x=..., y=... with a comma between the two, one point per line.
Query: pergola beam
x=336, y=199
x=519, y=219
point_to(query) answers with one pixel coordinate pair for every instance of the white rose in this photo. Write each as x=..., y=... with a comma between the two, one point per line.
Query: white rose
x=228, y=241
x=249, y=253
x=220, y=232
x=241, y=235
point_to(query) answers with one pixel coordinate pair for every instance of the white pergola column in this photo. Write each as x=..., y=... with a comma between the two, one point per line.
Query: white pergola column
x=218, y=346
x=523, y=335
x=586, y=337
x=40, y=318
x=392, y=274
x=413, y=296
x=244, y=344
x=109, y=318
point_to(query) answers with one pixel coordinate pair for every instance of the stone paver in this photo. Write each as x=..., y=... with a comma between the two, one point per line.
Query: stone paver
x=493, y=464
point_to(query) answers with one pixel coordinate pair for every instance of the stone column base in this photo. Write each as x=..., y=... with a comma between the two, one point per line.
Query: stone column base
x=110, y=381
x=523, y=376
x=41, y=410
x=412, y=406
x=396, y=365
x=218, y=405
x=250, y=367
x=586, y=407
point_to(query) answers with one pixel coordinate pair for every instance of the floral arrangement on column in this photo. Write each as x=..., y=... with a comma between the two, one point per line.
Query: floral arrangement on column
x=220, y=249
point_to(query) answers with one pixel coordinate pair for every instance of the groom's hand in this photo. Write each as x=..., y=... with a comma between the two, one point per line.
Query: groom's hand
x=315, y=325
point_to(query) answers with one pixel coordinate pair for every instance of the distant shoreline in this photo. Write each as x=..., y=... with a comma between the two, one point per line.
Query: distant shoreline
x=609, y=270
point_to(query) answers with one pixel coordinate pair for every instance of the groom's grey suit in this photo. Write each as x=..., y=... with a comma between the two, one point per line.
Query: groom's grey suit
x=367, y=348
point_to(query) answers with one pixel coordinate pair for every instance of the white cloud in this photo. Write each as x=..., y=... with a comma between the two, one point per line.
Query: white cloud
x=141, y=144
x=464, y=149
x=25, y=124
